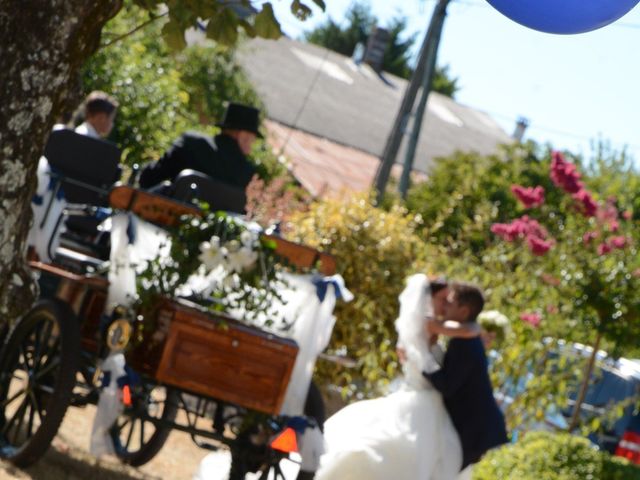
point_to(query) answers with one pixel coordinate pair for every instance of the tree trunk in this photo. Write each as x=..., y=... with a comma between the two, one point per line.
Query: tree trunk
x=575, y=417
x=43, y=44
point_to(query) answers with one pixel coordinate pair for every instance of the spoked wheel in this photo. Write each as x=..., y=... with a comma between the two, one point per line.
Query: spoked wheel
x=247, y=457
x=135, y=437
x=273, y=471
x=37, y=374
x=260, y=461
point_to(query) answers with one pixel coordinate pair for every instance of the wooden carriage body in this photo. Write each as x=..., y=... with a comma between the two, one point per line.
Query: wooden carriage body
x=189, y=348
x=216, y=356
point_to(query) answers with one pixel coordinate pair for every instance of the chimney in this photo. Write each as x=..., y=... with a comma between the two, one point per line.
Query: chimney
x=521, y=126
x=358, y=53
x=376, y=46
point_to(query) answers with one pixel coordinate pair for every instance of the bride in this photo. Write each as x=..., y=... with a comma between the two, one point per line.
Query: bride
x=406, y=435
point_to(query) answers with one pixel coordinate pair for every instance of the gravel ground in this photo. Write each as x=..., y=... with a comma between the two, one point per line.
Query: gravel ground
x=69, y=457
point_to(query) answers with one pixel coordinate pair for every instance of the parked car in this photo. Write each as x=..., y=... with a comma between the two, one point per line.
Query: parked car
x=613, y=382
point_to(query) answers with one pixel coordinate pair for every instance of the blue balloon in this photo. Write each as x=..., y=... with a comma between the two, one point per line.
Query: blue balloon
x=564, y=16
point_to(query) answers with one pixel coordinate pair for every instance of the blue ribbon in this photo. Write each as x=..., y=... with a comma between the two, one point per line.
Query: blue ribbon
x=300, y=424
x=106, y=379
x=102, y=213
x=131, y=230
x=322, y=284
x=131, y=378
x=53, y=181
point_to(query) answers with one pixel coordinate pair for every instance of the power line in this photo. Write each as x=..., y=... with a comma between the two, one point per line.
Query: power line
x=555, y=131
x=312, y=85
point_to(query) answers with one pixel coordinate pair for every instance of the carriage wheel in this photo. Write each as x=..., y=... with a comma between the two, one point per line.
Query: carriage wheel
x=240, y=463
x=136, y=439
x=37, y=374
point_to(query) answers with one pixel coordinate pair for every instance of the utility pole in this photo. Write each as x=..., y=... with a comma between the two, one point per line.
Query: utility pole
x=437, y=20
x=423, y=73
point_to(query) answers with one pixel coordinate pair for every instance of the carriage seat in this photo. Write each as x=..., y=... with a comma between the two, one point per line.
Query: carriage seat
x=190, y=186
x=84, y=169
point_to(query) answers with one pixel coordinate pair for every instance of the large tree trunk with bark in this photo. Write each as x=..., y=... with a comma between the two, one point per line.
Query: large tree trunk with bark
x=43, y=44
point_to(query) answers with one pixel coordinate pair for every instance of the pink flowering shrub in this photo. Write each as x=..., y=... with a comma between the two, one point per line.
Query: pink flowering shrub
x=530, y=197
x=271, y=203
x=585, y=238
x=532, y=319
x=523, y=227
x=586, y=203
x=564, y=174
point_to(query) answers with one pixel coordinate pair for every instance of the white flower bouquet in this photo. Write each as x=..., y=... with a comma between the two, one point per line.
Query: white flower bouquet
x=495, y=322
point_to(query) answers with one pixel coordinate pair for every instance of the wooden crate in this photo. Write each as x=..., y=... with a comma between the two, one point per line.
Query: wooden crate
x=217, y=357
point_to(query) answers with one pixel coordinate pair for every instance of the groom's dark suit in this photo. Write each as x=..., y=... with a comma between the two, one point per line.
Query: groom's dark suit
x=466, y=389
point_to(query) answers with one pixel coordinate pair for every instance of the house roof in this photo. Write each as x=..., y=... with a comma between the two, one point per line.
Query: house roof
x=324, y=168
x=327, y=95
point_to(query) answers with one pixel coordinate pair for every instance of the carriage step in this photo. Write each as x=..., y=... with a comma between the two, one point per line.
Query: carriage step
x=84, y=400
x=204, y=445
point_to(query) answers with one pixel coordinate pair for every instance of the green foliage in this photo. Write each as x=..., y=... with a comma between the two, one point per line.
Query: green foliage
x=576, y=292
x=375, y=250
x=444, y=83
x=600, y=285
x=238, y=268
x=211, y=76
x=343, y=40
x=139, y=72
x=467, y=192
x=162, y=94
x=268, y=165
x=223, y=18
x=542, y=455
x=614, y=173
x=266, y=24
x=397, y=57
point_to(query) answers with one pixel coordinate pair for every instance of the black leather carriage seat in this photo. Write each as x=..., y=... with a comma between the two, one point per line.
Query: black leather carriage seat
x=88, y=166
x=192, y=185
x=86, y=169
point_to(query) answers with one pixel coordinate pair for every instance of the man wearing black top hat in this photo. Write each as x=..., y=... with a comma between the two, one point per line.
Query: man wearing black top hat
x=223, y=158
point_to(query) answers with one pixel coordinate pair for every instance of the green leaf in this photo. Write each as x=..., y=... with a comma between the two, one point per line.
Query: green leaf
x=266, y=24
x=269, y=243
x=300, y=10
x=321, y=4
x=247, y=27
x=223, y=27
x=174, y=35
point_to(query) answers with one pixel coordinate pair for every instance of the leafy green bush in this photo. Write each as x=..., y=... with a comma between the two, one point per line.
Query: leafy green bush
x=375, y=250
x=145, y=79
x=467, y=192
x=162, y=93
x=548, y=456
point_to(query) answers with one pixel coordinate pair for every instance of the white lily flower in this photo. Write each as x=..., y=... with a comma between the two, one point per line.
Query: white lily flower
x=211, y=255
x=494, y=318
x=242, y=259
x=248, y=238
x=230, y=280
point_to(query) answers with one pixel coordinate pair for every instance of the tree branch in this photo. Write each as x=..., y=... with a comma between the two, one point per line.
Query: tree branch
x=131, y=32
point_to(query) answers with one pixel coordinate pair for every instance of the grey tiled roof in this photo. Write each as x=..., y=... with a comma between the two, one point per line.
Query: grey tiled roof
x=354, y=106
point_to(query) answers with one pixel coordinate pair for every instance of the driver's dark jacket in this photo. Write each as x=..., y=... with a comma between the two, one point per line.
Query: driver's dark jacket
x=219, y=157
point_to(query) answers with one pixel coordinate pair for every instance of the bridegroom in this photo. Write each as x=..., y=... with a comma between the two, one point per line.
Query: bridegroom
x=464, y=381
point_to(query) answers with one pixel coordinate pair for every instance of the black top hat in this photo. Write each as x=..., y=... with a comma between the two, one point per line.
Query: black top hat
x=241, y=117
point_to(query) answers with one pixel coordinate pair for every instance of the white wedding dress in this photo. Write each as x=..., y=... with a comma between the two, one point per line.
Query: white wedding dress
x=406, y=435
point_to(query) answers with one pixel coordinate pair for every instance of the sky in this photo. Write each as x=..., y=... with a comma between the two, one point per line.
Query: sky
x=573, y=89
